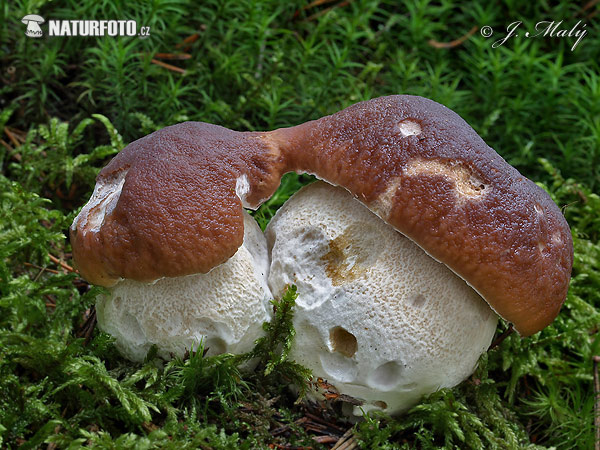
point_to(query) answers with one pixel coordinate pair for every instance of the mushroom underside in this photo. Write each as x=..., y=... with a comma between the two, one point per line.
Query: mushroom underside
x=376, y=317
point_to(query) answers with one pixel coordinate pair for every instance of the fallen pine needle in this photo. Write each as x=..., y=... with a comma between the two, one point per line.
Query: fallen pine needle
x=12, y=137
x=326, y=10
x=43, y=269
x=455, y=42
x=188, y=40
x=585, y=7
x=5, y=144
x=167, y=66
x=501, y=338
x=86, y=330
x=317, y=3
x=64, y=265
x=178, y=56
x=325, y=439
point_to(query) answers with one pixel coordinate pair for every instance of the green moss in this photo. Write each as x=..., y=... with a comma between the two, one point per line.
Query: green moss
x=72, y=103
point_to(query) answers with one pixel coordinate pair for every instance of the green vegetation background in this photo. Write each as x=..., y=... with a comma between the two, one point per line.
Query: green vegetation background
x=68, y=104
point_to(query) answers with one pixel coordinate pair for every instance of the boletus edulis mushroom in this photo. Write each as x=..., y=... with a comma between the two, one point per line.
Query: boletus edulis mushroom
x=171, y=204
x=376, y=318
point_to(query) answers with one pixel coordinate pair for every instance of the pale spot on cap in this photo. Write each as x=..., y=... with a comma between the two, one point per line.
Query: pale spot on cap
x=538, y=209
x=409, y=128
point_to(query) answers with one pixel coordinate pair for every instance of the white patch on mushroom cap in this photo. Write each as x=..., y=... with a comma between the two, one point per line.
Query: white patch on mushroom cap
x=467, y=183
x=242, y=188
x=224, y=308
x=409, y=325
x=409, y=128
x=103, y=200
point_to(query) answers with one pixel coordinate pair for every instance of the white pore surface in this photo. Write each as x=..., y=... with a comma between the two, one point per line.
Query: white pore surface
x=417, y=326
x=224, y=308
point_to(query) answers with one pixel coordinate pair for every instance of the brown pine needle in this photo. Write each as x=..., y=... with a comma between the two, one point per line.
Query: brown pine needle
x=325, y=439
x=19, y=135
x=326, y=10
x=5, y=144
x=587, y=6
x=188, y=40
x=43, y=269
x=455, y=42
x=317, y=3
x=64, y=265
x=86, y=330
x=173, y=56
x=167, y=66
x=12, y=137
x=501, y=338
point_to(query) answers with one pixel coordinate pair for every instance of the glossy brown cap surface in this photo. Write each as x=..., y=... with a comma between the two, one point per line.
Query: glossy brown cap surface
x=425, y=171
x=170, y=204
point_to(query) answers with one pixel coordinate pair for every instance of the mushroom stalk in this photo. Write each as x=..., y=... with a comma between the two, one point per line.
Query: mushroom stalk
x=375, y=316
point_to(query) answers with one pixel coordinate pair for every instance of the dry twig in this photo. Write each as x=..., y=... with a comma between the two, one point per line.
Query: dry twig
x=501, y=338
x=346, y=442
x=86, y=330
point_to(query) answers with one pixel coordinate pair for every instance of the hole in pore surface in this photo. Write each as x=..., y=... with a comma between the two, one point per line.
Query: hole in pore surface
x=407, y=387
x=117, y=302
x=343, y=341
x=386, y=377
x=418, y=300
x=338, y=368
x=380, y=404
x=476, y=184
x=131, y=330
x=215, y=346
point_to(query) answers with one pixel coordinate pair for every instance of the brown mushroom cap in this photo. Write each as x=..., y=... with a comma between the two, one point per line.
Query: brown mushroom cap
x=177, y=212
x=412, y=161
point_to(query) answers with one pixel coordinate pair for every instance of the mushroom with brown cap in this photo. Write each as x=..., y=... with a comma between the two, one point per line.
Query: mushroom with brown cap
x=376, y=317
x=413, y=162
x=222, y=310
